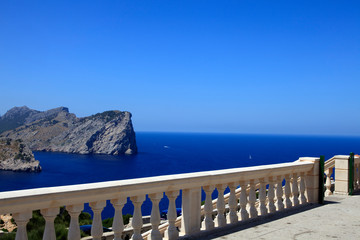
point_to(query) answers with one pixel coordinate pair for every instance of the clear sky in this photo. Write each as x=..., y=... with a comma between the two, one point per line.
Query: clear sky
x=283, y=67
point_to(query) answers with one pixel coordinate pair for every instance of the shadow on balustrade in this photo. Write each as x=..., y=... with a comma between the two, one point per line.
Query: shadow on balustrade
x=251, y=223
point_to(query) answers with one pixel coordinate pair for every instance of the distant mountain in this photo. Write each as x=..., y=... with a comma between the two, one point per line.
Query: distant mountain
x=110, y=132
x=15, y=117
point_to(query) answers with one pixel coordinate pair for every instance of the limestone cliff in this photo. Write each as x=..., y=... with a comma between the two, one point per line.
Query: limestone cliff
x=110, y=132
x=15, y=155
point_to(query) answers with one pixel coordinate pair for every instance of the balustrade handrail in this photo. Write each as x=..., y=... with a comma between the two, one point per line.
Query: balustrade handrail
x=330, y=163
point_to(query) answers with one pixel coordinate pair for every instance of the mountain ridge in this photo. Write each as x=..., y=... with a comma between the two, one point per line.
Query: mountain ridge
x=58, y=130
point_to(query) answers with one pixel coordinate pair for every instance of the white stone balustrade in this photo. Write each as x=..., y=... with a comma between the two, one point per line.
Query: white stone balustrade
x=340, y=165
x=250, y=179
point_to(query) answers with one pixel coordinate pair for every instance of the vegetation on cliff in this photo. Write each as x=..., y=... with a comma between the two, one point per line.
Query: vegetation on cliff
x=15, y=155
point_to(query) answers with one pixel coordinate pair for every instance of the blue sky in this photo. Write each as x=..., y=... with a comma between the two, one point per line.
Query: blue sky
x=279, y=67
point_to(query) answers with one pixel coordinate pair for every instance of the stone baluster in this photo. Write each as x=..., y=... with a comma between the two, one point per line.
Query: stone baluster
x=328, y=173
x=295, y=190
x=244, y=215
x=232, y=216
x=302, y=188
x=96, y=227
x=220, y=219
x=271, y=196
x=74, y=229
x=262, y=197
x=49, y=215
x=172, y=233
x=21, y=220
x=279, y=194
x=288, y=203
x=252, y=199
x=155, y=216
x=137, y=221
x=208, y=222
x=118, y=223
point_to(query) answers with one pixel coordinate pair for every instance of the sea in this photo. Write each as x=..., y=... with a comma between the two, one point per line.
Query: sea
x=172, y=153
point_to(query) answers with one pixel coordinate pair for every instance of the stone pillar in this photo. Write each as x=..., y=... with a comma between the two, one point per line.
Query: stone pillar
x=312, y=180
x=342, y=174
x=191, y=211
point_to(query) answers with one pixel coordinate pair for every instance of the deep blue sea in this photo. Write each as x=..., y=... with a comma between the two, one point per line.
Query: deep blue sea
x=171, y=153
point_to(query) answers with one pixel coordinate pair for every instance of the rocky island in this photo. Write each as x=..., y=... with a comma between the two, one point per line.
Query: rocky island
x=16, y=156
x=58, y=130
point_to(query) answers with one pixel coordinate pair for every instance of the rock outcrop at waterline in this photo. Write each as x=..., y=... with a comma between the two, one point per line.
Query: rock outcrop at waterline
x=15, y=155
x=57, y=130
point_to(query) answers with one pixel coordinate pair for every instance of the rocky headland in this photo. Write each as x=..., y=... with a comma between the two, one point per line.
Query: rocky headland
x=15, y=155
x=57, y=130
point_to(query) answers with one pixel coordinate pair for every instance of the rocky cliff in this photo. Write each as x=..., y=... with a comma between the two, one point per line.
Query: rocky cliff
x=110, y=132
x=15, y=155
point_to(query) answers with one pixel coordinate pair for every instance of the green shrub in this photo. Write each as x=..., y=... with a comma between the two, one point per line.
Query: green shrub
x=83, y=234
x=61, y=232
x=85, y=219
x=126, y=218
x=8, y=236
x=108, y=222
